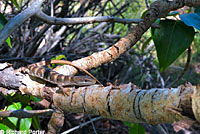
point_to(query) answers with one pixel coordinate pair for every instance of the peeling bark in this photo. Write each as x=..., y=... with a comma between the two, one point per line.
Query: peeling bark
x=128, y=103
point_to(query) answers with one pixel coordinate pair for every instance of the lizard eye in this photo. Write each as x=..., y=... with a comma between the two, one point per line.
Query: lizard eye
x=85, y=80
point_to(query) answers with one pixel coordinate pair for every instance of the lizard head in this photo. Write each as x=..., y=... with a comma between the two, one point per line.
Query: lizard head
x=83, y=80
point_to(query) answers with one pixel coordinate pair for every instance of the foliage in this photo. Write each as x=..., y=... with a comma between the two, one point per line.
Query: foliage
x=58, y=57
x=171, y=40
x=18, y=102
x=173, y=37
x=135, y=128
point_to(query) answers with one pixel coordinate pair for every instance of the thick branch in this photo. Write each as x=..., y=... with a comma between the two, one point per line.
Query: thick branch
x=127, y=103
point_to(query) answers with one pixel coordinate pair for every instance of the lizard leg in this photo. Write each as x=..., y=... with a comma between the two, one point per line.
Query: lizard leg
x=62, y=90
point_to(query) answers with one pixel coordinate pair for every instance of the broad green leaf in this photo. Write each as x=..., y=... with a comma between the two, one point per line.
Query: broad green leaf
x=8, y=123
x=191, y=19
x=14, y=106
x=3, y=128
x=15, y=3
x=59, y=57
x=135, y=128
x=36, y=122
x=25, y=123
x=3, y=21
x=172, y=39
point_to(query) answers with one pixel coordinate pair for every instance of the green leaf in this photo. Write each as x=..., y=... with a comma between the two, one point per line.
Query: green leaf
x=36, y=123
x=15, y=3
x=9, y=124
x=58, y=57
x=9, y=42
x=25, y=123
x=3, y=128
x=14, y=106
x=135, y=128
x=171, y=40
x=191, y=19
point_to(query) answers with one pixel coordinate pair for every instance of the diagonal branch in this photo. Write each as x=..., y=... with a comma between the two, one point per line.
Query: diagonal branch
x=157, y=9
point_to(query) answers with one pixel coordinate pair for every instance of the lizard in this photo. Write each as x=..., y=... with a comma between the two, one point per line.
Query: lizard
x=37, y=70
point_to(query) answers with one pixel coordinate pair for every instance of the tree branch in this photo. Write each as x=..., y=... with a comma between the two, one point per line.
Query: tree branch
x=126, y=102
x=82, y=20
x=22, y=113
x=156, y=10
